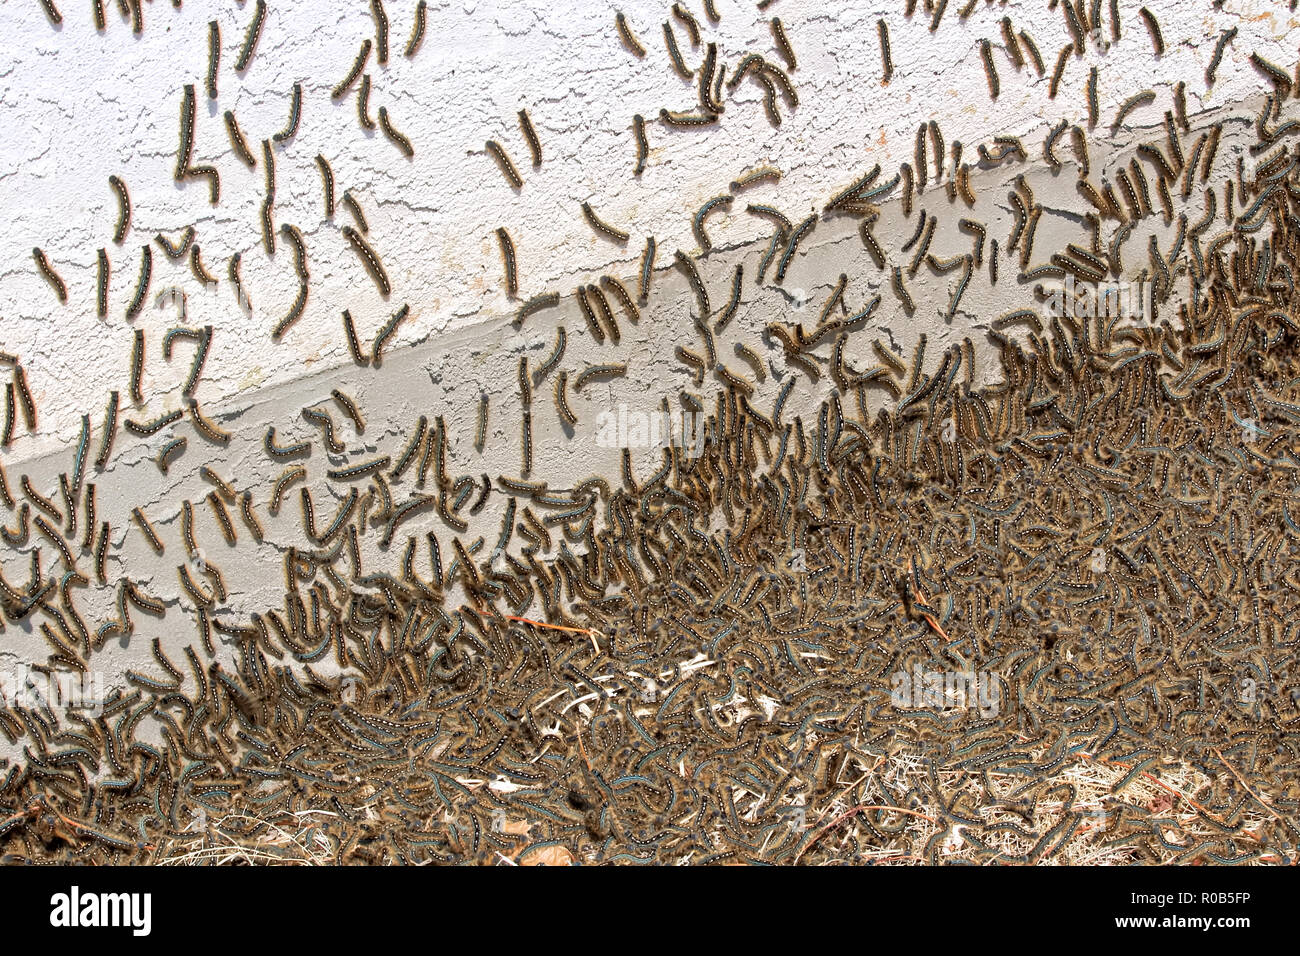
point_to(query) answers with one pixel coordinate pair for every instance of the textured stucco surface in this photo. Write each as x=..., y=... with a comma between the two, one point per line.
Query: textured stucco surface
x=79, y=106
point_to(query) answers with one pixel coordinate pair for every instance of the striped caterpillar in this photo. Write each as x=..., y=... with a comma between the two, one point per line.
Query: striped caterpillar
x=1061, y=59
x=562, y=402
x=697, y=224
x=508, y=258
x=1034, y=55
x=886, y=60
x=123, y=209
x=169, y=453
x=689, y=120
x=503, y=161
x=288, y=451
x=282, y=483
x=179, y=249
x=990, y=70
x=480, y=429
x=557, y=352
x=1153, y=27
x=1093, y=107
x=147, y=529
x=251, y=37
x=354, y=345
x=295, y=113
x=546, y=300
x=386, y=332
x=689, y=22
x=250, y=517
x=530, y=134
x=602, y=227
x=293, y=315
x=97, y=7
x=417, y=30
x=109, y=431
x=602, y=304
x=394, y=136
x=647, y=270
x=354, y=209
x=369, y=260
x=1220, y=45
x=619, y=291
x=137, y=367
x=800, y=231
x=47, y=270
x=8, y=436
x=1128, y=106
x=237, y=141
x=381, y=30
x=327, y=180
x=526, y=441
x=322, y=420
x=756, y=176
x=1012, y=45
x=52, y=12
x=196, y=266
x=783, y=44
x=204, y=425
x=349, y=407
x=642, y=144
x=674, y=54
x=733, y=303
x=232, y=273
x=142, y=284
x=1273, y=73
x=589, y=316
x=627, y=36
x=358, y=65
x=687, y=265
x=363, y=103
x=214, y=57
x=186, y=150
x=592, y=371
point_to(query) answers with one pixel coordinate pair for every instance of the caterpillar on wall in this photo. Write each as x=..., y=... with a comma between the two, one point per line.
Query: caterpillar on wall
x=142, y=284
x=1153, y=27
x=886, y=59
x=327, y=180
x=480, y=429
x=546, y=300
x=354, y=209
x=551, y=361
x=697, y=224
x=369, y=260
x=619, y=291
x=179, y=249
x=52, y=12
x=109, y=431
x=642, y=144
x=186, y=149
x=123, y=209
x=1061, y=59
x=354, y=345
x=627, y=36
x=674, y=54
x=196, y=266
x=783, y=44
x=295, y=113
x=417, y=30
x=990, y=70
x=562, y=402
x=687, y=265
x=237, y=141
x=47, y=270
x=386, y=333
x=363, y=103
x=251, y=37
x=205, y=426
x=394, y=136
x=381, y=30
x=214, y=57
x=647, y=270
x=232, y=272
x=349, y=407
x=530, y=135
x=508, y=258
x=137, y=367
x=358, y=65
x=504, y=162
x=602, y=227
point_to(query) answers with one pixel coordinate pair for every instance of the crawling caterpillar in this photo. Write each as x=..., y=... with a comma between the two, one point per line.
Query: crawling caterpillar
x=369, y=260
x=47, y=270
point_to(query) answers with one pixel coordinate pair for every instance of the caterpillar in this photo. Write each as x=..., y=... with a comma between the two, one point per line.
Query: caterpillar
x=642, y=144
x=155, y=426
x=689, y=22
x=800, y=231
x=1061, y=58
x=592, y=371
x=8, y=436
x=733, y=302
x=123, y=209
x=508, y=258
x=1275, y=74
x=1129, y=105
x=526, y=442
x=1079, y=141
x=354, y=209
x=886, y=59
x=647, y=270
x=697, y=224
x=675, y=55
x=918, y=156
x=869, y=240
x=150, y=534
x=386, y=332
x=408, y=455
x=250, y=516
x=1093, y=108
x=251, y=37
x=295, y=113
x=687, y=265
x=101, y=554
x=688, y=120
x=1034, y=55
x=169, y=453
x=137, y=16
x=282, y=483
x=268, y=226
x=47, y=270
x=990, y=70
x=525, y=389
x=756, y=176
x=625, y=34
x=109, y=431
x=417, y=30
x=936, y=143
x=363, y=103
x=1220, y=45
x=207, y=474
x=551, y=361
x=480, y=431
x=620, y=292
x=1048, y=154
x=178, y=250
x=196, y=266
x=214, y=57
x=1180, y=104
x=1153, y=27
x=504, y=162
x=296, y=309
x=232, y=273
x=369, y=260
x=327, y=181
x=1012, y=45
x=896, y=280
x=546, y=300
x=186, y=149
x=88, y=539
x=530, y=134
x=589, y=316
x=752, y=357
x=358, y=65
x=97, y=8
x=52, y=12
x=783, y=44
x=237, y=141
x=562, y=402
x=142, y=284
x=349, y=407
x=288, y=451
x=397, y=138
x=381, y=30
x=606, y=314
x=602, y=227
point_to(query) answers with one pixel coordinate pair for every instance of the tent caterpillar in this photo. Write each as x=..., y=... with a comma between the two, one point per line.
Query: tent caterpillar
x=642, y=144
x=358, y=65
x=381, y=30
x=417, y=30
x=47, y=270
x=363, y=103
x=627, y=36
x=251, y=37
x=369, y=259
x=295, y=113
x=386, y=332
x=327, y=180
x=504, y=162
x=394, y=136
x=508, y=258
x=142, y=284
x=602, y=227
x=123, y=209
x=237, y=141
x=530, y=134
x=214, y=57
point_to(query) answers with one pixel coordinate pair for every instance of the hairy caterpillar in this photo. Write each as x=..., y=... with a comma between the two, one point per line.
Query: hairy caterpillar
x=620, y=292
x=369, y=260
x=417, y=30
x=697, y=224
x=508, y=258
x=674, y=54
x=627, y=36
x=408, y=455
x=1220, y=45
x=1275, y=74
x=147, y=528
x=237, y=141
x=1129, y=105
x=1153, y=27
x=196, y=266
x=530, y=134
x=186, y=150
x=295, y=113
x=589, y=316
x=546, y=300
x=381, y=30
x=386, y=332
x=268, y=226
x=250, y=517
x=799, y=232
x=251, y=37
x=52, y=12
x=155, y=426
x=47, y=270
x=288, y=451
x=688, y=120
x=602, y=227
x=610, y=323
x=1093, y=108
x=647, y=269
x=642, y=144
x=354, y=209
x=178, y=250
x=358, y=65
x=557, y=352
x=327, y=180
x=97, y=8
x=109, y=431
x=783, y=44
x=526, y=442
x=480, y=430
x=733, y=302
x=562, y=402
x=990, y=70
x=169, y=453
x=214, y=57
x=8, y=436
x=350, y=409
x=886, y=59
x=232, y=273
x=394, y=136
x=142, y=284
x=504, y=162
x=296, y=309
x=123, y=209
x=687, y=265
x=1061, y=58
x=354, y=345
x=363, y=103
x=900, y=290
x=592, y=371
